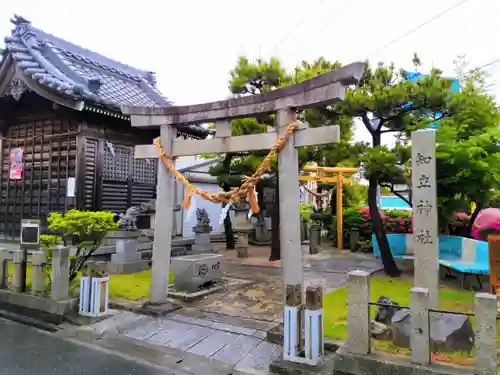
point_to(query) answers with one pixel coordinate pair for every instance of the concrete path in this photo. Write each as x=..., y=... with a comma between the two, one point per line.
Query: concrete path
x=244, y=348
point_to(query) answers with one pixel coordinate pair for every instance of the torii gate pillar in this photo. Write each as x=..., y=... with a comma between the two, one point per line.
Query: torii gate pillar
x=290, y=241
x=324, y=89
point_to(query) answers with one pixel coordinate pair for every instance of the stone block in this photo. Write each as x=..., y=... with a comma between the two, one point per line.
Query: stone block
x=144, y=246
x=113, y=236
x=486, y=333
x=212, y=343
x=198, y=249
x=152, y=220
x=19, y=272
x=202, y=239
x=36, y=306
x=126, y=249
x=448, y=332
x=60, y=272
x=202, y=229
x=38, y=277
x=4, y=274
x=127, y=267
x=193, y=271
x=236, y=349
x=358, y=312
x=262, y=233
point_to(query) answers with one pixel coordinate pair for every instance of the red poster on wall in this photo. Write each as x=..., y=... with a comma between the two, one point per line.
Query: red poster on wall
x=16, y=164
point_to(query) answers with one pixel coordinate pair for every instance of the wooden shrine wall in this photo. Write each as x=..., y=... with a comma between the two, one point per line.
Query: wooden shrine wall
x=49, y=158
x=114, y=180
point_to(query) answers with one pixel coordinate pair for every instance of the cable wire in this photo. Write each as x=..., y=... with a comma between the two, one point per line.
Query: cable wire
x=330, y=9
x=415, y=29
x=493, y=62
x=299, y=24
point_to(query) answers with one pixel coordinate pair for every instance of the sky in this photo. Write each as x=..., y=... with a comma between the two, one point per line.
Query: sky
x=193, y=44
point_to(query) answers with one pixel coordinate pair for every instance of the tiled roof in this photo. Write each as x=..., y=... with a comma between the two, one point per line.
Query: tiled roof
x=80, y=74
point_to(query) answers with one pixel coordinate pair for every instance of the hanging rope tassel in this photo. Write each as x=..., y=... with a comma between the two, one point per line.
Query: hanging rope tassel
x=186, y=202
x=234, y=194
x=254, y=205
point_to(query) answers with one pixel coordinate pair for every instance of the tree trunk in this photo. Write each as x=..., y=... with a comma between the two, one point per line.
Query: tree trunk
x=228, y=226
x=390, y=266
x=229, y=233
x=259, y=188
x=473, y=218
x=275, y=224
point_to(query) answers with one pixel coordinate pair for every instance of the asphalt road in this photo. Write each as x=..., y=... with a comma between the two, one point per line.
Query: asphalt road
x=26, y=351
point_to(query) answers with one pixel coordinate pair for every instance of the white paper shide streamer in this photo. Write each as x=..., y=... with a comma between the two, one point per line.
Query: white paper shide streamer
x=192, y=208
x=250, y=213
x=223, y=213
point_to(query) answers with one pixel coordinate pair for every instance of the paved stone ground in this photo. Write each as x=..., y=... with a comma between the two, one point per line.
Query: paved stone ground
x=231, y=325
x=262, y=299
x=245, y=348
x=329, y=259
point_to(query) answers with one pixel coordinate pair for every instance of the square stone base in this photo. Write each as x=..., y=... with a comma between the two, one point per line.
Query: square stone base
x=193, y=271
x=159, y=309
x=199, y=249
x=124, y=257
x=127, y=267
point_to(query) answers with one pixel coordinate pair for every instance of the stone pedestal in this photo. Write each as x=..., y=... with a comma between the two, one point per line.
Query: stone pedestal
x=38, y=277
x=262, y=234
x=243, y=227
x=242, y=244
x=193, y=271
x=60, y=271
x=315, y=239
x=202, y=239
x=354, y=240
x=304, y=232
x=127, y=244
x=19, y=273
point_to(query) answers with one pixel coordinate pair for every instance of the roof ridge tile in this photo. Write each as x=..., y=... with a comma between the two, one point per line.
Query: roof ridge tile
x=51, y=62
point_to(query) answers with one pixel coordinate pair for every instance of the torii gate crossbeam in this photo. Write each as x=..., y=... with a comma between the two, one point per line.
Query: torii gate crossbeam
x=324, y=89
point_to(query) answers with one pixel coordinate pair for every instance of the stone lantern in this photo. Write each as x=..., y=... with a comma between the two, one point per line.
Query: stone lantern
x=242, y=226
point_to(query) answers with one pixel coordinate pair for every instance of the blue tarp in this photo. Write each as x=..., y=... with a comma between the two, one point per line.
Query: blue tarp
x=414, y=76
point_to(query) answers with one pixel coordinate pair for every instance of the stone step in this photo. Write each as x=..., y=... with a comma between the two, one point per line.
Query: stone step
x=145, y=246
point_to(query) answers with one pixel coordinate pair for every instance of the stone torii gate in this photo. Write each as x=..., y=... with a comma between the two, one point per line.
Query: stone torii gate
x=320, y=90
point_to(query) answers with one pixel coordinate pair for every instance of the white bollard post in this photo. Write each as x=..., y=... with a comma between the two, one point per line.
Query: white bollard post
x=314, y=326
x=292, y=322
x=94, y=293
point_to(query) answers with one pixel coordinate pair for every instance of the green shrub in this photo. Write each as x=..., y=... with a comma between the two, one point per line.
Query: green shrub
x=88, y=228
x=49, y=242
x=397, y=214
x=306, y=209
x=394, y=221
x=353, y=218
x=355, y=194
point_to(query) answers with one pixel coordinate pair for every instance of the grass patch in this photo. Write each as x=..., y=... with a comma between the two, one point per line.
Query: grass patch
x=132, y=287
x=335, y=303
x=454, y=299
